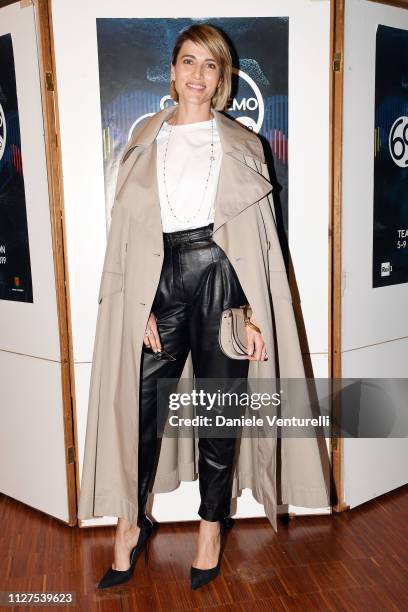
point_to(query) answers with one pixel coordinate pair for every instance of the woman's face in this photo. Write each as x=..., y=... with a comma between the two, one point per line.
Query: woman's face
x=196, y=74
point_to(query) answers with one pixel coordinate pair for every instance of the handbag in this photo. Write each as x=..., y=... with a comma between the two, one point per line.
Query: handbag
x=232, y=335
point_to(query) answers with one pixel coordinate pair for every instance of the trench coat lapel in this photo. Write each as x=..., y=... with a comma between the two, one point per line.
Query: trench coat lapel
x=239, y=184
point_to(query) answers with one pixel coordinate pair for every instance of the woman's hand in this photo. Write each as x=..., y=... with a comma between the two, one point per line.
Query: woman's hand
x=151, y=337
x=255, y=343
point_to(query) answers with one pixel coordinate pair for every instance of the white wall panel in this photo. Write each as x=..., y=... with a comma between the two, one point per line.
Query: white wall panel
x=32, y=448
x=374, y=321
x=32, y=434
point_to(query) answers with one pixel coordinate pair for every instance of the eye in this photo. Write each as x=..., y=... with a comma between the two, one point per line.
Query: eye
x=187, y=59
x=213, y=66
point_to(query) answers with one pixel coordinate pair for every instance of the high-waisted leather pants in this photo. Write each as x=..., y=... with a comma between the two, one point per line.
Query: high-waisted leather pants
x=197, y=283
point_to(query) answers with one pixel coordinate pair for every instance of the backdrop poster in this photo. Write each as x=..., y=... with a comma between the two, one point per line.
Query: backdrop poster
x=15, y=267
x=134, y=74
x=390, y=218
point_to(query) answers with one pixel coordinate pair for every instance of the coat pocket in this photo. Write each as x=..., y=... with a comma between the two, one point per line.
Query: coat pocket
x=111, y=282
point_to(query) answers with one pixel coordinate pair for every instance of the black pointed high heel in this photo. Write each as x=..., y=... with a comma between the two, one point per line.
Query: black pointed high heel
x=200, y=577
x=114, y=577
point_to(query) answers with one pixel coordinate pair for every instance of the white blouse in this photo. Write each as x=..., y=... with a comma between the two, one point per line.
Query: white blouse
x=187, y=167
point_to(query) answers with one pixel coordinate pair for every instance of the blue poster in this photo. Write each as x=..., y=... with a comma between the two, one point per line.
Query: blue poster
x=134, y=72
x=15, y=267
x=390, y=218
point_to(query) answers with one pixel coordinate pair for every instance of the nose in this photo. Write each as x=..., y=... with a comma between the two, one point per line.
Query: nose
x=198, y=71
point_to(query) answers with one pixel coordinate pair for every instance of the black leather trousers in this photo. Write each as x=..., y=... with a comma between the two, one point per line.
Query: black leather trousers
x=197, y=283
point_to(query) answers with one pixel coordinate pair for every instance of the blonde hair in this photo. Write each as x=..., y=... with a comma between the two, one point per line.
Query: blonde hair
x=212, y=39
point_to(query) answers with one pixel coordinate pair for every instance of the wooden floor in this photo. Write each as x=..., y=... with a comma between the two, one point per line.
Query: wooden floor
x=357, y=560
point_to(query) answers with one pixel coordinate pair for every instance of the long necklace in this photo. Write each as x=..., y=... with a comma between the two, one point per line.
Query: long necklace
x=212, y=158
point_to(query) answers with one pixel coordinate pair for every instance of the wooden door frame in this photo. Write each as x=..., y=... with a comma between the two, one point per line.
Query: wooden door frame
x=335, y=197
x=46, y=61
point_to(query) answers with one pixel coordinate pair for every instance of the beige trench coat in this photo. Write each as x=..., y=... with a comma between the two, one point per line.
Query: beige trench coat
x=244, y=227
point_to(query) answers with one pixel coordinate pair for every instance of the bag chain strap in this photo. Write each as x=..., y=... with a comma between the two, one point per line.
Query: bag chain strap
x=247, y=321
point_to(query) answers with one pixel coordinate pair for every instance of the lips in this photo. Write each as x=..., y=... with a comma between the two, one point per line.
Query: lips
x=195, y=86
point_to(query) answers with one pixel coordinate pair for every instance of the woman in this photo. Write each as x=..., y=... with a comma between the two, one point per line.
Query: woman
x=207, y=185
x=189, y=306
